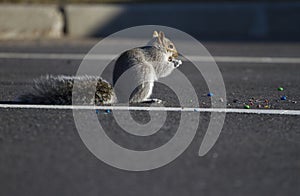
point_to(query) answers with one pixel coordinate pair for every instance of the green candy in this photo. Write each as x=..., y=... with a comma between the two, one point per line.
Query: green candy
x=247, y=106
x=280, y=89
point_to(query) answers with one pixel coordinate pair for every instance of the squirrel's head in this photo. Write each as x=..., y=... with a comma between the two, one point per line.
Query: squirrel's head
x=159, y=37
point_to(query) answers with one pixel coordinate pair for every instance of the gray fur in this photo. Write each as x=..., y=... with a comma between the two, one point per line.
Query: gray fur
x=147, y=64
x=57, y=90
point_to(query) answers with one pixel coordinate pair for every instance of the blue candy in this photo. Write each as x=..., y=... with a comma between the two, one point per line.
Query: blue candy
x=283, y=98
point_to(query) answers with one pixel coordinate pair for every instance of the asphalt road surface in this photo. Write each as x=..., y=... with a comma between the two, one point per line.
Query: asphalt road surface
x=41, y=152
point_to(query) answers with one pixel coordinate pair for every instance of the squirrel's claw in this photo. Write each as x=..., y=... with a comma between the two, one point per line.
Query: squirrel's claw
x=153, y=100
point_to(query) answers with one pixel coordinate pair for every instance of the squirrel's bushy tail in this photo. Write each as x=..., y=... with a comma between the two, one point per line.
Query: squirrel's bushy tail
x=57, y=90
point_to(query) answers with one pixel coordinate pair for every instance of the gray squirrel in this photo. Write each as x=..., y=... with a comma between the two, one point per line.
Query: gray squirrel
x=148, y=64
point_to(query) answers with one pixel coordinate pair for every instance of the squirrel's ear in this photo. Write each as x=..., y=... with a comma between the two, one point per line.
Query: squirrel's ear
x=155, y=34
x=161, y=35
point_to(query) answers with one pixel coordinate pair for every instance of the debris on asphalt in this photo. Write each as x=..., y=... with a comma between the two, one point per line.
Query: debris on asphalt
x=247, y=106
x=283, y=98
x=235, y=100
x=251, y=100
x=259, y=102
x=105, y=111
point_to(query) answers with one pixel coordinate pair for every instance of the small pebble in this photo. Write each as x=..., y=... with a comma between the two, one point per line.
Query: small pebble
x=283, y=98
x=235, y=101
x=210, y=94
x=221, y=100
x=215, y=155
x=247, y=106
x=280, y=89
x=294, y=101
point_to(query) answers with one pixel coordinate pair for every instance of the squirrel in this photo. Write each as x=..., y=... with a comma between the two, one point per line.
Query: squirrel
x=148, y=63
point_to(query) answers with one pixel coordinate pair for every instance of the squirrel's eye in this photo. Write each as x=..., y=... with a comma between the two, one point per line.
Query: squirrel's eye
x=171, y=46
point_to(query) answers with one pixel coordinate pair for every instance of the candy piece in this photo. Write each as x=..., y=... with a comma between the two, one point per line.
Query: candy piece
x=280, y=89
x=283, y=98
x=247, y=106
x=210, y=94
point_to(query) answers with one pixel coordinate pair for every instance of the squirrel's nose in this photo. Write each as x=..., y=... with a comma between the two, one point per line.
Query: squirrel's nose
x=175, y=54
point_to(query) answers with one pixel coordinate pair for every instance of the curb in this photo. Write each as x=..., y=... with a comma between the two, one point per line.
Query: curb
x=30, y=21
x=217, y=21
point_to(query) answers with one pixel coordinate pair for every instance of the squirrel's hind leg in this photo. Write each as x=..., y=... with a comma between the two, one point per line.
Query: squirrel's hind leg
x=142, y=93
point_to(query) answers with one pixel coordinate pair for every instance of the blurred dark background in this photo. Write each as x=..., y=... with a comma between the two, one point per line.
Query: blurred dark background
x=212, y=20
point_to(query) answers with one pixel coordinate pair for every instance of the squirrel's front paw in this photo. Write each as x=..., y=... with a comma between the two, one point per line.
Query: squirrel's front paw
x=177, y=63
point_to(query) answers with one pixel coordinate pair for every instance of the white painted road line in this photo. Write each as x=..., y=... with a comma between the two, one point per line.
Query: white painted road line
x=232, y=59
x=171, y=109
